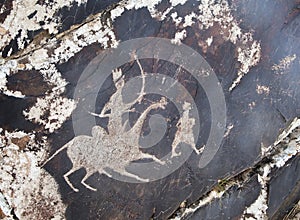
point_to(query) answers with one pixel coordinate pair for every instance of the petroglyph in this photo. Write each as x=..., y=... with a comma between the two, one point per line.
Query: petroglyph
x=117, y=148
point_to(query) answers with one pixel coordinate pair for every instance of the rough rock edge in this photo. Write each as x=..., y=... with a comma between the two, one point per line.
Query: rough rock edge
x=294, y=214
x=277, y=155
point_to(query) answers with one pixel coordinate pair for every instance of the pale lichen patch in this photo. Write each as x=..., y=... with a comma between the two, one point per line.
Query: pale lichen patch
x=59, y=108
x=25, y=187
x=291, y=150
x=38, y=58
x=209, y=14
x=150, y=5
x=18, y=20
x=53, y=109
x=209, y=41
x=5, y=209
x=258, y=209
x=44, y=61
x=260, y=89
x=292, y=126
x=188, y=20
x=248, y=57
x=285, y=151
x=177, y=20
x=179, y=36
x=235, y=33
x=7, y=69
x=2, y=32
x=177, y=2
x=284, y=64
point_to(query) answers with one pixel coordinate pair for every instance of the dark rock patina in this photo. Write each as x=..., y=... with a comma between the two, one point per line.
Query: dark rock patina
x=264, y=51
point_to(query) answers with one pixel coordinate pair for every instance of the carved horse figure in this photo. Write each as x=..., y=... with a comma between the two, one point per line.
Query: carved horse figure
x=118, y=147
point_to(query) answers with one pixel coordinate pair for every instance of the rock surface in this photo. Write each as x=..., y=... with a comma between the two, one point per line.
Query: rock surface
x=46, y=46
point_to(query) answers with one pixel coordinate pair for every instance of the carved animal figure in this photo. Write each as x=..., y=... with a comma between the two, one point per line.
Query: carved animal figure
x=119, y=147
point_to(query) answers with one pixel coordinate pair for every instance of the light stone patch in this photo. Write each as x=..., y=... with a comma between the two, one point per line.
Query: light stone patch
x=209, y=41
x=25, y=187
x=248, y=57
x=260, y=89
x=44, y=62
x=60, y=109
x=258, y=209
x=18, y=19
x=286, y=150
x=179, y=36
x=188, y=20
x=209, y=13
x=284, y=64
x=6, y=69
